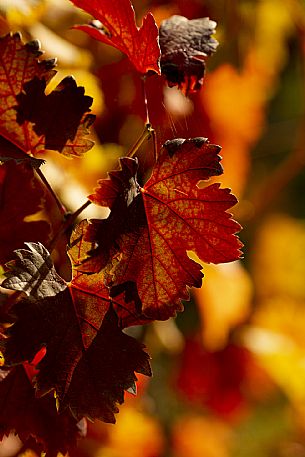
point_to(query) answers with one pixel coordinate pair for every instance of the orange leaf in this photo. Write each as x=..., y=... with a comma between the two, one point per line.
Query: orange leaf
x=150, y=229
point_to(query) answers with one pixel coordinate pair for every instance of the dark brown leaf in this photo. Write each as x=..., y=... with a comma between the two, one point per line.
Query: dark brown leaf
x=31, y=120
x=28, y=416
x=185, y=45
x=89, y=361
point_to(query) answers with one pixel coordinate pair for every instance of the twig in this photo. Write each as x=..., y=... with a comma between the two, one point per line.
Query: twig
x=71, y=218
x=147, y=133
x=61, y=207
x=145, y=100
x=154, y=138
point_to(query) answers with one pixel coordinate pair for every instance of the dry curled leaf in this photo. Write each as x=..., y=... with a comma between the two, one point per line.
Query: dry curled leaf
x=185, y=45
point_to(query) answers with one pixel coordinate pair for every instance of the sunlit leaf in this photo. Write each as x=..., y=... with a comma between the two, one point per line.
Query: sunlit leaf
x=118, y=28
x=32, y=120
x=150, y=229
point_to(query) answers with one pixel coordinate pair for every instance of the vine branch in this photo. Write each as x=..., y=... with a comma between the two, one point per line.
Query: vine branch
x=70, y=219
x=59, y=204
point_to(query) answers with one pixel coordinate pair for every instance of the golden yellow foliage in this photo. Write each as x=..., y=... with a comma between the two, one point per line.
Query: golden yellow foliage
x=224, y=302
x=198, y=436
x=234, y=102
x=274, y=24
x=135, y=435
x=21, y=13
x=279, y=258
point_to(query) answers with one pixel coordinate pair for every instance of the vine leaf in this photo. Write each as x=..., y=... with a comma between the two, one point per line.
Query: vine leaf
x=162, y=221
x=31, y=417
x=32, y=120
x=33, y=273
x=97, y=361
x=118, y=28
x=16, y=206
x=125, y=300
x=185, y=45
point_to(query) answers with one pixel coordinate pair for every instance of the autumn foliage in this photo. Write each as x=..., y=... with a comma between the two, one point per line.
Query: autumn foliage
x=127, y=269
x=119, y=253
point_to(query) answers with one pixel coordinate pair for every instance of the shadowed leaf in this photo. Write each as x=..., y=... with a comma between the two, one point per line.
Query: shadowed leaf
x=124, y=297
x=185, y=44
x=16, y=205
x=21, y=412
x=97, y=360
x=32, y=120
x=33, y=273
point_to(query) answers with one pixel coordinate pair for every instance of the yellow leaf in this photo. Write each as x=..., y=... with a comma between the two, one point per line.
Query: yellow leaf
x=279, y=258
x=67, y=54
x=282, y=359
x=197, y=436
x=236, y=120
x=274, y=25
x=22, y=13
x=223, y=301
x=135, y=435
x=277, y=339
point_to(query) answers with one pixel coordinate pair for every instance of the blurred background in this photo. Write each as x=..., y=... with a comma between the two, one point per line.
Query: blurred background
x=229, y=372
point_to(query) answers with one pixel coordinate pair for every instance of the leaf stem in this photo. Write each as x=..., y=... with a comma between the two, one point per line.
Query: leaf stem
x=60, y=206
x=155, y=146
x=145, y=99
x=70, y=219
x=148, y=132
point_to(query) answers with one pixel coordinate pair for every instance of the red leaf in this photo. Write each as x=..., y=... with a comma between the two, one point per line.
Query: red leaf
x=217, y=380
x=119, y=29
x=21, y=195
x=21, y=412
x=122, y=184
x=124, y=298
x=169, y=217
x=89, y=361
x=32, y=120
